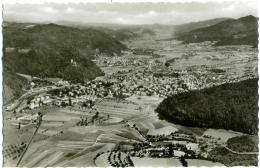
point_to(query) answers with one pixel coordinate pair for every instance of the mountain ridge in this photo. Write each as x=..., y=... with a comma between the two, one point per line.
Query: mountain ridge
x=186, y=27
x=241, y=31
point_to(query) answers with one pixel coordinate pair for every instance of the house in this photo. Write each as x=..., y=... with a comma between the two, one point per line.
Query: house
x=175, y=142
x=57, y=102
x=24, y=50
x=9, y=49
x=178, y=153
x=46, y=100
x=192, y=146
x=61, y=82
x=34, y=105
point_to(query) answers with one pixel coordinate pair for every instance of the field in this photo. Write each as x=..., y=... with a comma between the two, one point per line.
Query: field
x=199, y=163
x=156, y=162
x=223, y=134
x=163, y=131
x=102, y=161
x=117, y=109
x=60, y=142
x=171, y=162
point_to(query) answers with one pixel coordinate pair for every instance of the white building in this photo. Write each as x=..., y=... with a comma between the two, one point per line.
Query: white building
x=192, y=146
x=178, y=153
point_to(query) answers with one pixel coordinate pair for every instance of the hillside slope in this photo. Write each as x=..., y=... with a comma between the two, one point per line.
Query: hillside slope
x=12, y=86
x=242, y=31
x=228, y=106
x=53, y=51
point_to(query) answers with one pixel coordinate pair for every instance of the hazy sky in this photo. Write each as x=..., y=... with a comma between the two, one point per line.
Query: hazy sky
x=128, y=13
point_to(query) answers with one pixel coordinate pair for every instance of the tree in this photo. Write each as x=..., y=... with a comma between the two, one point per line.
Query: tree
x=97, y=114
x=63, y=104
x=84, y=104
x=170, y=149
x=91, y=103
x=19, y=125
x=70, y=103
x=167, y=64
x=183, y=161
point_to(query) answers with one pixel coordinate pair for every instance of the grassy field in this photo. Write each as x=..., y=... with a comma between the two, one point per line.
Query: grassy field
x=199, y=163
x=221, y=133
x=156, y=162
x=102, y=160
x=119, y=110
x=222, y=155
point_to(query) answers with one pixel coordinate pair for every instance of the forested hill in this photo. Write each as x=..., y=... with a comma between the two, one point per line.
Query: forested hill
x=196, y=25
x=229, y=106
x=242, y=31
x=49, y=50
x=52, y=36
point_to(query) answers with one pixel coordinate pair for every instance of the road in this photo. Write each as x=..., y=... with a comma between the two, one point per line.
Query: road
x=241, y=153
x=21, y=157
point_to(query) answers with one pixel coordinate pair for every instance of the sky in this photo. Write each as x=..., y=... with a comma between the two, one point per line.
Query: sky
x=128, y=13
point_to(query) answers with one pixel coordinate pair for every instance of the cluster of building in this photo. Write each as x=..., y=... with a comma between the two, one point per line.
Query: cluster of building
x=39, y=101
x=145, y=80
x=167, y=149
x=121, y=61
x=36, y=83
x=68, y=96
x=173, y=137
x=153, y=79
x=149, y=82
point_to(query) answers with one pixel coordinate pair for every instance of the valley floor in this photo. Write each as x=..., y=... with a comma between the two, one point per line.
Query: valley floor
x=111, y=120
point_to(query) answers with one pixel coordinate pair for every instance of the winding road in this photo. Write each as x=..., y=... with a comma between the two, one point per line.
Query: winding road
x=241, y=153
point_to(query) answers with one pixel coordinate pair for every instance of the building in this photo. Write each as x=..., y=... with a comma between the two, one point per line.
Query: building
x=192, y=146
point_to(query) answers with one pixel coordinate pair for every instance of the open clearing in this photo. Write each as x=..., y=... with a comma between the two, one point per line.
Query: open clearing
x=221, y=133
x=198, y=163
x=162, y=131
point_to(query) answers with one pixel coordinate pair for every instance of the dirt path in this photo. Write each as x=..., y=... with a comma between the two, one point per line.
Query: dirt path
x=21, y=157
